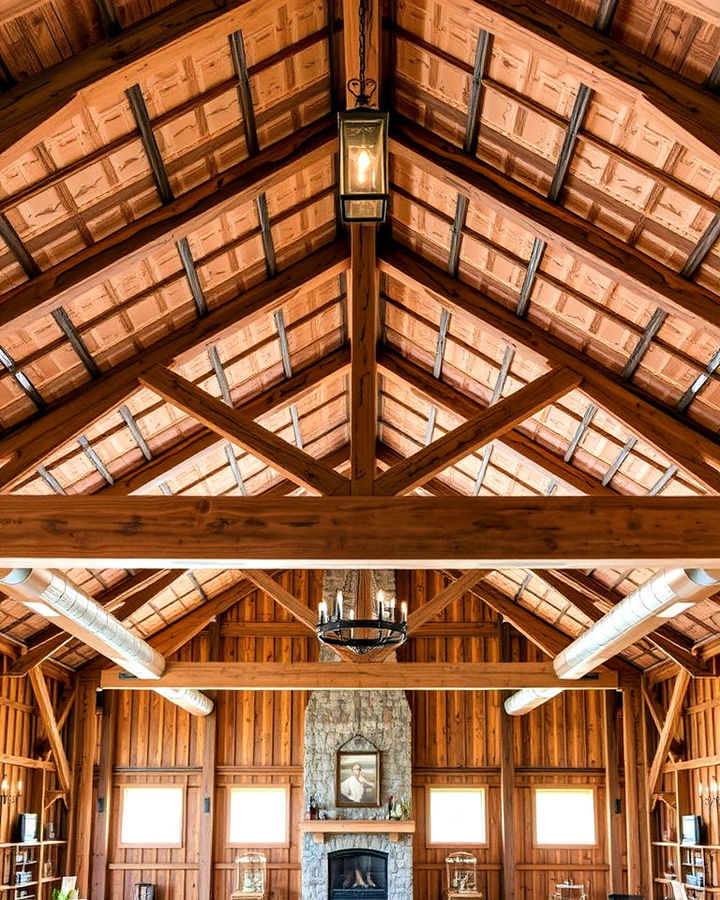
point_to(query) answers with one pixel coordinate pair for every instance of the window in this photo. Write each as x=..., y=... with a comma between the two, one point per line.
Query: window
x=565, y=817
x=258, y=815
x=152, y=816
x=457, y=816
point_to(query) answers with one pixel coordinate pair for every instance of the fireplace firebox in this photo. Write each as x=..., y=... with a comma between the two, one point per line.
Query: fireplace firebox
x=357, y=875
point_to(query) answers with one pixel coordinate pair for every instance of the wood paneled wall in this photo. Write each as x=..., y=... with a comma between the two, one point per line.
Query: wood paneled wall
x=456, y=740
x=23, y=745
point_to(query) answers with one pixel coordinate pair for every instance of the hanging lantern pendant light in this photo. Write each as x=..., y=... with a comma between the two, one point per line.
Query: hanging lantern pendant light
x=363, y=131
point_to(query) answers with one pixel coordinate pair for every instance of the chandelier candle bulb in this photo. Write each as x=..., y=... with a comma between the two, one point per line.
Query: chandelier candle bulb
x=322, y=610
x=338, y=604
x=403, y=612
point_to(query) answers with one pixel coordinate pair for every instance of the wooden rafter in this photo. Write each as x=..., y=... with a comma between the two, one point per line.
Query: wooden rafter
x=476, y=432
x=379, y=676
x=47, y=715
x=401, y=532
x=612, y=257
x=668, y=731
x=32, y=443
x=418, y=380
x=658, y=717
x=687, y=447
x=292, y=462
x=178, y=456
x=600, y=61
x=30, y=110
x=170, y=222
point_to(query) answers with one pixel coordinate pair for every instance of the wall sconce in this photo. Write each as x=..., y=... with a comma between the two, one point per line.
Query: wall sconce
x=709, y=795
x=6, y=795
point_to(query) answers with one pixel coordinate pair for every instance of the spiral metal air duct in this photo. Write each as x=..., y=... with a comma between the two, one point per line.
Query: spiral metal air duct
x=78, y=614
x=637, y=615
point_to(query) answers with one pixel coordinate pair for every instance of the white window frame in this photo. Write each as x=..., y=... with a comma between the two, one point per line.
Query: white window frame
x=479, y=789
x=126, y=788
x=254, y=841
x=564, y=789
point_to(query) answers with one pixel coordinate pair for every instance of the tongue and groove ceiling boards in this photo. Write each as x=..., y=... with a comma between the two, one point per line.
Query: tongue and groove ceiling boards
x=548, y=277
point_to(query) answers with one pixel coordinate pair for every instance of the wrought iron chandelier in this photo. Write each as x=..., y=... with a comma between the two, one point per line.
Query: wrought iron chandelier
x=364, y=191
x=374, y=622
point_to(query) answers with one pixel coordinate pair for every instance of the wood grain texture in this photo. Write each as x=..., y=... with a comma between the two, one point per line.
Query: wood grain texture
x=599, y=61
x=137, y=241
x=374, y=676
x=228, y=423
x=691, y=450
x=28, y=446
x=395, y=532
x=476, y=432
x=610, y=256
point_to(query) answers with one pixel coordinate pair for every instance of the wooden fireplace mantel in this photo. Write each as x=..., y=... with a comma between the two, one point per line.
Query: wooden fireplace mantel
x=320, y=828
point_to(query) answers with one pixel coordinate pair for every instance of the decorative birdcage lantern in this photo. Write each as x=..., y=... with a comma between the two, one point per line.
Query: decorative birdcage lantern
x=462, y=875
x=250, y=877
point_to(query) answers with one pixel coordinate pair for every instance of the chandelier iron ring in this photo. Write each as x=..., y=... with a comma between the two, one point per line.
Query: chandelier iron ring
x=338, y=633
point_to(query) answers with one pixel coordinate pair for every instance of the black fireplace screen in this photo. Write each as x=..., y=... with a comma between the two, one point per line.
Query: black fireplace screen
x=357, y=874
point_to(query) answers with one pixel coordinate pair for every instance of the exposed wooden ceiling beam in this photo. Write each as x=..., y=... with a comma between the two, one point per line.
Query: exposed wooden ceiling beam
x=377, y=532
x=602, y=63
x=430, y=609
x=29, y=445
x=178, y=456
x=348, y=676
x=30, y=110
x=171, y=222
x=363, y=281
x=363, y=301
x=610, y=256
x=476, y=432
x=47, y=715
x=692, y=451
x=295, y=464
x=296, y=630
x=422, y=382
x=172, y=637
x=606, y=598
x=668, y=730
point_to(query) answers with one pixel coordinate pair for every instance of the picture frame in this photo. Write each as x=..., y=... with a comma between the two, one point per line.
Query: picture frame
x=357, y=787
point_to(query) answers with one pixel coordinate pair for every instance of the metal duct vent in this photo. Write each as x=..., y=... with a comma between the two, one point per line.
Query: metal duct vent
x=52, y=594
x=634, y=617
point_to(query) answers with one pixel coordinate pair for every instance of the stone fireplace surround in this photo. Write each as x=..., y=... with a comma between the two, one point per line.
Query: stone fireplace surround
x=362, y=720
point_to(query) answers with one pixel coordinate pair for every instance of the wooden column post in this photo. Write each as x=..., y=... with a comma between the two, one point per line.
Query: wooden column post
x=637, y=819
x=207, y=785
x=101, y=830
x=85, y=736
x=363, y=279
x=613, y=803
x=507, y=779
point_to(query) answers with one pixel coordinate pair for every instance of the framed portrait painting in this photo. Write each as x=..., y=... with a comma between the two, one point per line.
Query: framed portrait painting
x=357, y=781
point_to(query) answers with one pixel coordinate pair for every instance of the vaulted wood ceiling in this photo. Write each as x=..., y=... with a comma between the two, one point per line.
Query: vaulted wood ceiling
x=169, y=231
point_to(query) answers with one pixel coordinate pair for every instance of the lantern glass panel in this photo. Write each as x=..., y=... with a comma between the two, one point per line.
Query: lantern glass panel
x=363, y=165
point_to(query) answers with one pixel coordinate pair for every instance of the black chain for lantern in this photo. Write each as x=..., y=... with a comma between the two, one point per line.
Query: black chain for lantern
x=362, y=88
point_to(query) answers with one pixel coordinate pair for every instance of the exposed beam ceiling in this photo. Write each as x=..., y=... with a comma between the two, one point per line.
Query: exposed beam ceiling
x=375, y=676
x=599, y=61
x=692, y=451
x=379, y=532
x=32, y=443
x=612, y=257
